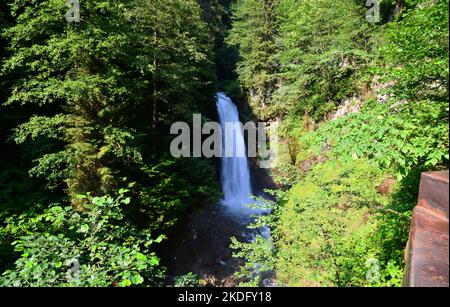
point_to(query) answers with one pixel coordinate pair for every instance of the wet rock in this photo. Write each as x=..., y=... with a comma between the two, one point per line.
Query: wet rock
x=202, y=246
x=194, y=235
x=269, y=283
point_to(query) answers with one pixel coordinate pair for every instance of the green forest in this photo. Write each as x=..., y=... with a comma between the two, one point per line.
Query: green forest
x=89, y=190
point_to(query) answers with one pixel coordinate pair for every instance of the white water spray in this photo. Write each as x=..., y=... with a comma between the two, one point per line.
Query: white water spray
x=235, y=175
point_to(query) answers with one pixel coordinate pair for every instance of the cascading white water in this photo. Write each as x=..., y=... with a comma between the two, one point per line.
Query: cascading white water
x=235, y=175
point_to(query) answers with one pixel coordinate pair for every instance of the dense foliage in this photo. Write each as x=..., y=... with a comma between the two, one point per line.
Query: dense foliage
x=86, y=108
x=88, y=188
x=254, y=29
x=90, y=248
x=364, y=110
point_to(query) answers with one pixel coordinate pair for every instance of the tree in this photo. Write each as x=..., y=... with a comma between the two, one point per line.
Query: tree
x=254, y=30
x=80, y=79
x=323, y=45
x=104, y=91
x=96, y=100
x=96, y=248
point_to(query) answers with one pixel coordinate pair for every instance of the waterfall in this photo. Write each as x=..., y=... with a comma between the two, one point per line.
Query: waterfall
x=235, y=175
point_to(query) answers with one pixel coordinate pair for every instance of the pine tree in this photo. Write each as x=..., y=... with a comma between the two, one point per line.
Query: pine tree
x=254, y=31
x=91, y=104
x=105, y=90
x=79, y=78
x=322, y=44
